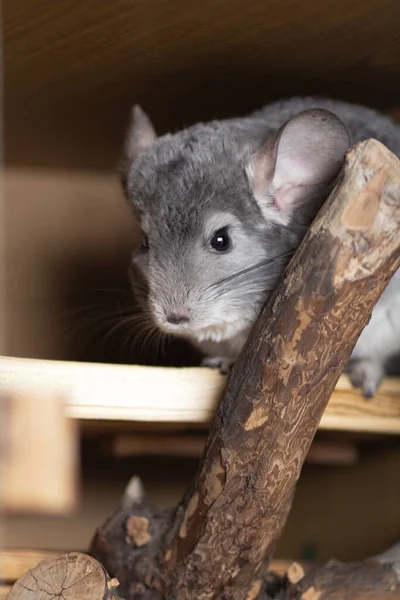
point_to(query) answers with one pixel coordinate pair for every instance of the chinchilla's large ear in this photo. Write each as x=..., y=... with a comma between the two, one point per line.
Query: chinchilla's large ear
x=140, y=136
x=298, y=163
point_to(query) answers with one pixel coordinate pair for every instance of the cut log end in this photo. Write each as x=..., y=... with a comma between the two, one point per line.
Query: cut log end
x=74, y=576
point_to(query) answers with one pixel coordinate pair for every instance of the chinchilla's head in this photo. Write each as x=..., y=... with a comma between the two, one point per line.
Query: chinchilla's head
x=221, y=207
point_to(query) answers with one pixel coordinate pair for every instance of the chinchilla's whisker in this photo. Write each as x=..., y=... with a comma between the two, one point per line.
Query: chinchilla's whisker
x=259, y=278
x=91, y=327
x=155, y=341
x=260, y=266
x=140, y=336
x=133, y=331
x=123, y=322
x=166, y=339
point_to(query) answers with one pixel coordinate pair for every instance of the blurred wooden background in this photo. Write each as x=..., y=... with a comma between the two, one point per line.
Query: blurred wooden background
x=73, y=68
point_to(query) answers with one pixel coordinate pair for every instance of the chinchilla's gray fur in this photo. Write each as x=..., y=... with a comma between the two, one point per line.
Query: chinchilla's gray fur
x=261, y=179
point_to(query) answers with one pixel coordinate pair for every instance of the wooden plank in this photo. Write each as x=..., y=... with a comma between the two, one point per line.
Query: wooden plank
x=16, y=562
x=39, y=459
x=189, y=395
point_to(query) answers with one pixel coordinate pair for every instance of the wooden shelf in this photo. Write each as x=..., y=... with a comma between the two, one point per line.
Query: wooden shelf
x=171, y=395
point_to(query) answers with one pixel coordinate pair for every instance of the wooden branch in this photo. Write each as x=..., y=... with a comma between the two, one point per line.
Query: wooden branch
x=219, y=540
x=371, y=579
x=71, y=575
x=228, y=526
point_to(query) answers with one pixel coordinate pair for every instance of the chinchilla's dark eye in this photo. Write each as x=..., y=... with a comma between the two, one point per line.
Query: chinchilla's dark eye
x=221, y=241
x=144, y=246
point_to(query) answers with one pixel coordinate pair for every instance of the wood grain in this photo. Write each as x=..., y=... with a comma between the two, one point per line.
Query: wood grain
x=75, y=68
x=170, y=395
x=75, y=576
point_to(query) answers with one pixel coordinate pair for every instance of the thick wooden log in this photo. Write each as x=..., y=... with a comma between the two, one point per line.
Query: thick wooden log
x=219, y=541
x=74, y=576
x=282, y=381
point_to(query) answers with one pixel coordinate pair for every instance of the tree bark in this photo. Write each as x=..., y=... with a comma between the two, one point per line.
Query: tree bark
x=71, y=576
x=219, y=540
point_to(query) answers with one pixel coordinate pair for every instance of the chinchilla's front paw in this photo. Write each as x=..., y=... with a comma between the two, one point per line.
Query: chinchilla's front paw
x=218, y=362
x=367, y=375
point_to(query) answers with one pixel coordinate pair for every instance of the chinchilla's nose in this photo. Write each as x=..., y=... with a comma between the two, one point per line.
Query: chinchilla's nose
x=178, y=318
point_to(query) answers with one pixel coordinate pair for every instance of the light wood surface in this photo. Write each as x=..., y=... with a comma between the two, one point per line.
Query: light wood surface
x=15, y=562
x=156, y=394
x=74, y=68
x=4, y=589
x=39, y=453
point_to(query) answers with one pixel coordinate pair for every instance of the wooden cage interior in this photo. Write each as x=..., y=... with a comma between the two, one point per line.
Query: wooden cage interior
x=72, y=72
